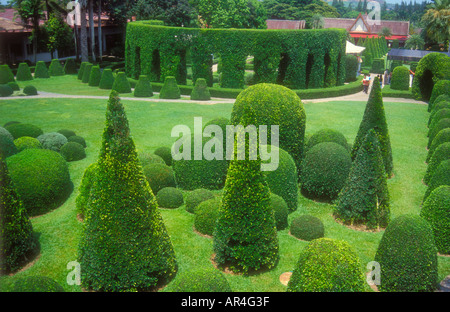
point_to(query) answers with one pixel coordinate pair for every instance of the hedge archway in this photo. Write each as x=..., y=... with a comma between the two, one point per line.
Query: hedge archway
x=432, y=67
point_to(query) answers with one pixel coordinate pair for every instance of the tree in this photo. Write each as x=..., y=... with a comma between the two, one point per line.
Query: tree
x=83, y=31
x=415, y=42
x=59, y=34
x=317, y=21
x=385, y=32
x=437, y=21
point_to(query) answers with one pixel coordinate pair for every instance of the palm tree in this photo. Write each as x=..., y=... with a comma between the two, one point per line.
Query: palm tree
x=437, y=20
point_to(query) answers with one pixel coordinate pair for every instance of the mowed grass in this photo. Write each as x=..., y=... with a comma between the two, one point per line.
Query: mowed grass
x=151, y=124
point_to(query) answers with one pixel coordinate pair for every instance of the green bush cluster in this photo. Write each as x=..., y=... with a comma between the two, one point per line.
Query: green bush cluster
x=7, y=146
x=25, y=142
x=307, y=227
x=23, y=72
x=72, y=151
x=195, y=197
x=66, y=132
x=327, y=135
x=149, y=158
x=170, y=89
x=23, y=129
x=201, y=280
x=121, y=84
x=41, y=70
x=169, y=197
x=159, y=176
x=81, y=70
x=441, y=137
x=441, y=102
x=431, y=68
x=165, y=153
x=77, y=139
x=55, y=68
x=400, y=78
x=52, y=141
x=206, y=214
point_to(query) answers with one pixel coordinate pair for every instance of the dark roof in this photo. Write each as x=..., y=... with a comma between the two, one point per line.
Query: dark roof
x=285, y=24
x=409, y=55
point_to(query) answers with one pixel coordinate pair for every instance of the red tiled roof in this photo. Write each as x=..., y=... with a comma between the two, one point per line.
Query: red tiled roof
x=285, y=24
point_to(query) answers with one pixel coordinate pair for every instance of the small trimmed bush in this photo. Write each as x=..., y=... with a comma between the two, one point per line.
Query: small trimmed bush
x=94, y=76
x=442, y=137
x=67, y=132
x=206, y=214
x=200, y=91
x=280, y=210
x=41, y=70
x=165, y=153
x=407, y=256
x=23, y=72
x=169, y=197
x=30, y=90
x=52, y=141
x=78, y=139
x=121, y=83
x=440, y=177
x=327, y=135
x=41, y=178
x=307, y=227
x=325, y=170
x=6, y=74
x=159, y=176
x=170, y=89
x=143, y=87
x=55, y=68
x=5, y=90
x=400, y=78
x=73, y=151
x=7, y=146
x=14, y=85
x=86, y=72
x=201, y=280
x=443, y=104
x=440, y=87
x=81, y=70
x=25, y=142
x=5, y=132
x=443, y=123
x=149, y=158
x=36, y=284
x=441, y=153
x=327, y=265
x=70, y=67
x=22, y=129
x=436, y=210
x=437, y=116
x=107, y=79
x=195, y=197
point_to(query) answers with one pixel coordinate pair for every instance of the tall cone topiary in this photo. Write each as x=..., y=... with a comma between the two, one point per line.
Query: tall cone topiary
x=70, y=67
x=121, y=83
x=364, y=198
x=17, y=241
x=245, y=238
x=374, y=118
x=124, y=245
x=86, y=72
x=94, y=76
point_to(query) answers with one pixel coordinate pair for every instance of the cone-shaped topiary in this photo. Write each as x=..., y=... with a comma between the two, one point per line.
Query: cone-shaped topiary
x=84, y=191
x=441, y=153
x=200, y=92
x=364, y=198
x=440, y=87
x=24, y=72
x=86, y=73
x=121, y=83
x=17, y=242
x=143, y=87
x=81, y=70
x=55, y=68
x=6, y=75
x=374, y=118
x=327, y=265
x=41, y=70
x=70, y=68
x=436, y=210
x=441, y=137
x=400, y=78
x=124, y=232
x=245, y=239
x=327, y=135
x=441, y=124
x=407, y=256
x=107, y=79
x=170, y=89
x=94, y=76
x=440, y=177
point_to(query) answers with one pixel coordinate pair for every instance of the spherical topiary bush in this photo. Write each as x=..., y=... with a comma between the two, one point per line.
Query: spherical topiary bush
x=41, y=70
x=23, y=72
x=307, y=227
x=206, y=214
x=23, y=143
x=201, y=280
x=5, y=132
x=280, y=210
x=327, y=135
x=7, y=146
x=121, y=83
x=437, y=116
x=72, y=151
x=325, y=169
x=195, y=197
x=431, y=68
x=441, y=153
x=327, y=265
x=441, y=137
x=441, y=124
x=437, y=108
x=400, y=78
x=159, y=176
x=107, y=79
x=67, y=132
x=143, y=87
x=41, y=178
x=170, y=89
x=22, y=129
x=440, y=87
x=14, y=85
x=270, y=104
x=436, y=210
x=169, y=197
x=200, y=91
x=30, y=90
x=165, y=153
x=52, y=140
x=6, y=90
x=36, y=284
x=440, y=177
x=407, y=256
x=149, y=158
x=78, y=139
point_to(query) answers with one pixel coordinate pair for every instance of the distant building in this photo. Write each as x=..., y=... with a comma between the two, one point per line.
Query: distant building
x=285, y=24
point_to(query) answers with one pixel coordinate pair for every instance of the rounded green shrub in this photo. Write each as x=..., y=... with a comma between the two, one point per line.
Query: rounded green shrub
x=436, y=210
x=407, y=256
x=6, y=74
x=441, y=137
x=143, y=87
x=159, y=176
x=431, y=68
x=23, y=129
x=52, y=141
x=440, y=87
x=86, y=72
x=280, y=210
x=121, y=83
x=14, y=86
x=5, y=90
x=165, y=153
x=55, y=68
x=444, y=104
x=206, y=214
x=73, y=151
x=170, y=89
x=94, y=76
x=78, y=139
x=169, y=197
x=325, y=170
x=41, y=70
x=23, y=72
x=327, y=135
x=149, y=158
x=25, y=142
x=200, y=92
x=30, y=90
x=201, y=280
x=270, y=104
x=5, y=132
x=36, y=284
x=107, y=79
x=437, y=116
x=195, y=197
x=327, y=265
x=11, y=123
x=441, y=153
x=440, y=177
x=41, y=178
x=70, y=67
x=307, y=227
x=67, y=132
x=7, y=146
x=400, y=78
x=443, y=123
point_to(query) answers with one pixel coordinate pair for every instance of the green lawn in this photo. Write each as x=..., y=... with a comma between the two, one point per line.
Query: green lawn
x=151, y=124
